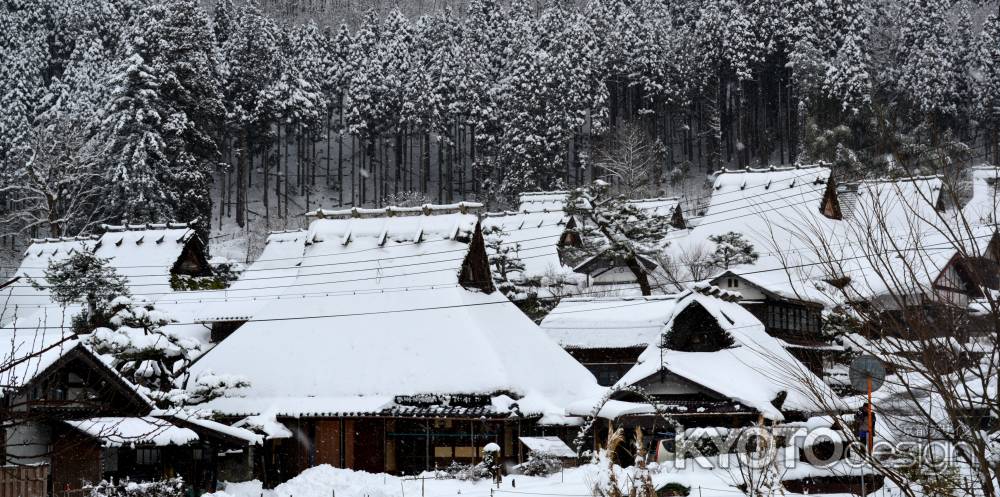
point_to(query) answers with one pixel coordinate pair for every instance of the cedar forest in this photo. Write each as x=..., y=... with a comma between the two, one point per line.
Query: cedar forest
x=141, y=111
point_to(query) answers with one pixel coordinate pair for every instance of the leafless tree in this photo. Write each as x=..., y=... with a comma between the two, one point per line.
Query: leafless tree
x=921, y=284
x=57, y=188
x=692, y=263
x=632, y=161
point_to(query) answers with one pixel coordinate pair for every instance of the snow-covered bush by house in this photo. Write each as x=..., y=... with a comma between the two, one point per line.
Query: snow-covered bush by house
x=151, y=355
x=466, y=472
x=171, y=487
x=539, y=464
x=732, y=249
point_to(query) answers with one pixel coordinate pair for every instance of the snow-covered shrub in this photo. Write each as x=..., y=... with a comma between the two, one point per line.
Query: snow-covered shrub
x=467, y=472
x=171, y=487
x=150, y=354
x=539, y=465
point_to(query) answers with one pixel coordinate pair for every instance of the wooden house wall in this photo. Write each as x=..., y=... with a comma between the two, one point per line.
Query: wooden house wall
x=385, y=444
x=76, y=460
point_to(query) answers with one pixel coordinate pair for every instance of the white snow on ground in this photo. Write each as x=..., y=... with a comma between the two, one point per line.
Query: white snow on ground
x=327, y=481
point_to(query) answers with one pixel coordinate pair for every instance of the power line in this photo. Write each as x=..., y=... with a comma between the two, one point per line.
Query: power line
x=503, y=301
x=943, y=245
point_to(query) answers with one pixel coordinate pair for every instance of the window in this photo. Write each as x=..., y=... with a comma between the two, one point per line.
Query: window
x=147, y=456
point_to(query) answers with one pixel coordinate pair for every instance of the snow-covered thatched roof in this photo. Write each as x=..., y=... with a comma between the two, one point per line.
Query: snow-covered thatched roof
x=661, y=206
x=754, y=371
x=779, y=211
x=144, y=254
x=985, y=201
x=898, y=205
x=609, y=322
x=536, y=235
x=379, y=311
x=900, y=238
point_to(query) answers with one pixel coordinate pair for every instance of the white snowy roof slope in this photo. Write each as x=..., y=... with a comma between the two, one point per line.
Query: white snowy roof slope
x=545, y=201
x=754, y=372
x=272, y=274
x=386, y=316
x=20, y=297
x=985, y=201
x=609, y=322
x=778, y=211
x=123, y=431
x=536, y=236
x=144, y=255
x=663, y=206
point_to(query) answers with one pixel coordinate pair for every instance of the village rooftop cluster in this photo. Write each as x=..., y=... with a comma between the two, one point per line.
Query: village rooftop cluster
x=385, y=340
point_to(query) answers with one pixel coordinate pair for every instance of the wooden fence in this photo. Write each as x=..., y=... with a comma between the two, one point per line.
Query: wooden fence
x=24, y=481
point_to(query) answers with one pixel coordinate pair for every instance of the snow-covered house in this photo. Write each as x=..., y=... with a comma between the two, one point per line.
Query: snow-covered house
x=542, y=254
x=152, y=258
x=607, y=334
x=536, y=239
x=65, y=406
x=714, y=359
x=784, y=213
x=394, y=352
x=792, y=317
x=938, y=255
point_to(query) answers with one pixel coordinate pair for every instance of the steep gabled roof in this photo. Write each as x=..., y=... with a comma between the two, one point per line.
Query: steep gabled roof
x=609, y=322
x=387, y=315
x=755, y=371
x=39, y=357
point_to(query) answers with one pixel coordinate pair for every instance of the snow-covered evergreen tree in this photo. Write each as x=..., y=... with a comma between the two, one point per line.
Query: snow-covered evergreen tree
x=177, y=41
x=86, y=279
x=152, y=356
x=732, y=249
x=132, y=138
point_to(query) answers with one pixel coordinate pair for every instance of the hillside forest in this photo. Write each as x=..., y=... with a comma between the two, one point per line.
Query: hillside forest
x=235, y=113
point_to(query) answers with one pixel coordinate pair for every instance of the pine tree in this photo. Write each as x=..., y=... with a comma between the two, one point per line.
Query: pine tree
x=927, y=73
x=144, y=349
x=178, y=41
x=732, y=249
x=987, y=81
x=84, y=278
x=616, y=230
